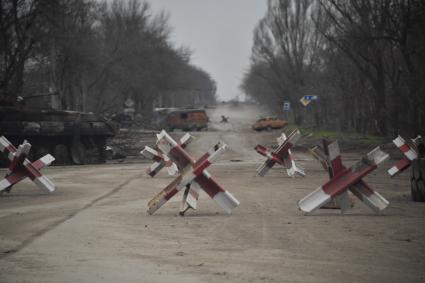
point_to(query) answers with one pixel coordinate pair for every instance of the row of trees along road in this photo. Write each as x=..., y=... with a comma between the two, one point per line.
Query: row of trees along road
x=364, y=58
x=96, y=55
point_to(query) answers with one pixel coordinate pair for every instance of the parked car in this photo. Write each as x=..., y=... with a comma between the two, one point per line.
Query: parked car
x=187, y=120
x=269, y=123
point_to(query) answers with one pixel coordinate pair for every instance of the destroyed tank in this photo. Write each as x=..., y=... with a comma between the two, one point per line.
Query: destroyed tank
x=71, y=137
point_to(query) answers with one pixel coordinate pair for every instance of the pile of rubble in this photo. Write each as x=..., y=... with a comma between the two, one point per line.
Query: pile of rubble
x=128, y=142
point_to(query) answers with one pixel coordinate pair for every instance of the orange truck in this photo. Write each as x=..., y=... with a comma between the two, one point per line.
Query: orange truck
x=187, y=120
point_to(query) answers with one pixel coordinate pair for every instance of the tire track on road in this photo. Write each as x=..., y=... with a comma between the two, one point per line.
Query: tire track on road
x=55, y=224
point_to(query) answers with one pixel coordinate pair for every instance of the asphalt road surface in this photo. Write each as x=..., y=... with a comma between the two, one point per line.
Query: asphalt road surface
x=95, y=228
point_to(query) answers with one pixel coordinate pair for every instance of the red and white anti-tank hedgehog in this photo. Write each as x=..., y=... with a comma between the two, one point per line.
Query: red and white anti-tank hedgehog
x=20, y=167
x=281, y=155
x=346, y=179
x=192, y=173
x=161, y=160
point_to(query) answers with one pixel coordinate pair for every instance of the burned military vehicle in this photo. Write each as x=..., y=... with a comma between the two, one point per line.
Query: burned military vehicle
x=72, y=137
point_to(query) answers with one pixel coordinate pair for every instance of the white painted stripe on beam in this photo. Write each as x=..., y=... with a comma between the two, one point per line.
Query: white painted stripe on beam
x=291, y=171
x=206, y=174
x=295, y=170
x=314, y=200
x=168, y=138
x=150, y=153
x=23, y=150
x=379, y=203
x=172, y=170
x=165, y=142
x=411, y=155
x=281, y=139
x=377, y=155
x=186, y=139
x=216, y=153
x=47, y=159
x=4, y=184
x=45, y=184
x=158, y=204
x=334, y=150
x=393, y=170
x=375, y=201
x=188, y=177
x=399, y=141
x=294, y=137
x=191, y=201
x=4, y=143
x=226, y=201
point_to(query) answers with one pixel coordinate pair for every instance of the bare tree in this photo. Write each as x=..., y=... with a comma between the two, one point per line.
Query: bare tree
x=363, y=57
x=96, y=55
x=287, y=41
x=18, y=33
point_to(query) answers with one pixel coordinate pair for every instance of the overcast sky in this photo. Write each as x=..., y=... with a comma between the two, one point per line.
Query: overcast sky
x=220, y=34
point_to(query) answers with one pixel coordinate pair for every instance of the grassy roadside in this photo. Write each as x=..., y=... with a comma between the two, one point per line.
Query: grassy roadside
x=347, y=140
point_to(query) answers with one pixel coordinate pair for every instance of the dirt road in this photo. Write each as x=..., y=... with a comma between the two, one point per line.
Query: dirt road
x=95, y=228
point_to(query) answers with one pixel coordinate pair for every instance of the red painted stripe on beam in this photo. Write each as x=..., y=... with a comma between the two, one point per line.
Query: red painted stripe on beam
x=365, y=188
x=152, y=173
x=157, y=158
x=278, y=159
x=180, y=156
x=261, y=150
x=201, y=159
x=200, y=167
x=208, y=185
x=171, y=189
x=283, y=149
x=17, y=162
x=404, y=148
x=345, y=179
x=403, y=164
x=171, y=193
x=32, y=172
x=336, y=165
x=15, y=177
x=38, y=164
x=11, y=148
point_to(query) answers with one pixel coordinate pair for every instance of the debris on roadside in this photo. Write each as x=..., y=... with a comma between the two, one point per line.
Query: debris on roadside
x=114, y=153
x=128, y=142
